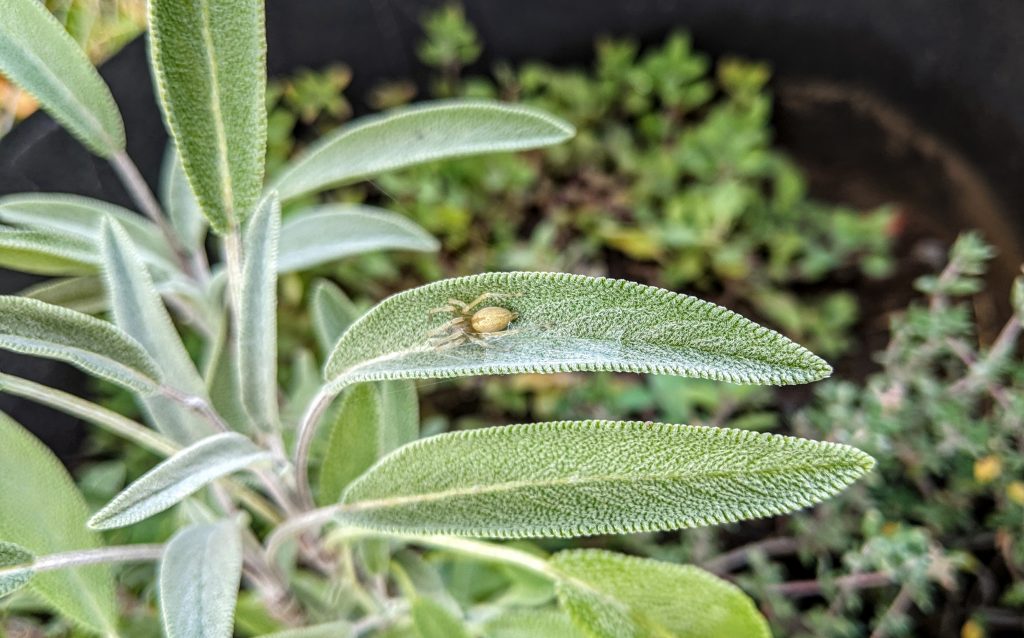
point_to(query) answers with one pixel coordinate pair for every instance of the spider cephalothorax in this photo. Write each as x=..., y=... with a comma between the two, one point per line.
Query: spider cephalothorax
x=471, y=326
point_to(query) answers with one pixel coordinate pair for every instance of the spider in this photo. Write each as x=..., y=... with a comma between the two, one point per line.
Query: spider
x=469, y=325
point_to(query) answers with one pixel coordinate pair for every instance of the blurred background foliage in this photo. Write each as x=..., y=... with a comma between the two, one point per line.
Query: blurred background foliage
x=675, y=180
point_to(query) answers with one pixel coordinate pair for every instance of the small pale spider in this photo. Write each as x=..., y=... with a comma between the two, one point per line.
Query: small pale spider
x=471, y=326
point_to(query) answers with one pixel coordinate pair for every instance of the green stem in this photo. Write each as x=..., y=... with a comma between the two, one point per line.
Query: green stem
x=307, y=427
x=78, y=558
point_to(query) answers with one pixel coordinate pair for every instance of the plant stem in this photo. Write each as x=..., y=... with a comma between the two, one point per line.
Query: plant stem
x=739, y=557
x=233, y=261
x=77, y=558
x=814, y=587
x=307, y=427
x=143, y=197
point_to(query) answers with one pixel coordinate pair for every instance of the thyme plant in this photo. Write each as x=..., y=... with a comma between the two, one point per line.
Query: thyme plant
x=312, y=508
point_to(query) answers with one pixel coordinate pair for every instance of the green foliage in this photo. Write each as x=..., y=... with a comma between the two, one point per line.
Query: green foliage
x=33, y=327
x=44, y=252
x=209, y=58
x=616, y=596
x=178, y=477
x=15, y=567
x=199, y=578
x=37, y=54
x=353, y=442
x=594, y=477
x=181, y=203
x=42, y=511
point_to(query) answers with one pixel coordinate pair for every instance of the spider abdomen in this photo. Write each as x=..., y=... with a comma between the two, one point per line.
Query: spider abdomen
x=491, y=319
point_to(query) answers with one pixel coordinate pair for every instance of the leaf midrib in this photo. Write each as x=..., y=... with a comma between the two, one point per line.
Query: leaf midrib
x=220, y=133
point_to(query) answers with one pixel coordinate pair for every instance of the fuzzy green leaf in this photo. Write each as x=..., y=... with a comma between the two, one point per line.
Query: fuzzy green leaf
x=138, y=310
x=180, y=202
x=36, y=328
x=198, y=581
x=82, y=217
x=331, y=312
x=43, y=511
x=415, y=135
x=330, y=232
x=532, y=623
x=38, y=55
x=433, y=620
x=44, y=252
x=567, y=323
x=178, y=477
x=337, y=629
x=353, y=442
x=257, y=329
x=611, y=595
x=400, y=418
x=209, y=57
x=575, y=478
x=15, y=567
x=81, y=294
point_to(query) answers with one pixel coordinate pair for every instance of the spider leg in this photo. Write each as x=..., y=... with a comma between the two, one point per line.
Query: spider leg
x=454, y=341
x=446, y=326
x=480, y=341
x=485, y=296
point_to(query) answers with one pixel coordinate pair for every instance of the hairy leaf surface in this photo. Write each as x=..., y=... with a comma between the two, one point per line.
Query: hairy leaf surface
x=198, y=582
x=43, y=511
x=433, y=620
x=36, y=328
x=331, y=312
x=81, y=294
x=180, y=202
x=353, y=442
x=575, y=478
x=178, y=477
x=611, y=595
x=44, y=252
x=209, y=57
x=138, y=310
x=532, y=623
x=415, y=135
x=257, y=329
x=82, y=218
x=330, y=232
x=39, y=55
x=15, y=567
x=567, y=323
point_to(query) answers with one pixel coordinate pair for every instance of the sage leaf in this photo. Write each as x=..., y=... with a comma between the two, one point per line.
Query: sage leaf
x=43, y=252
x=400, y=415
x=533, y=623
x=432, y=620
x=15, y=567
x=257, y=325
x=576, y=478
x=138, y=310
x=337, y=629
x=353, y=442
x=178, y=477
x=415, y=135
x=42, y=511
x=82, y=294
x=330, y=232
x=198, y=581
x=209, y=58
x=36, y=328
x=82, y=217
x=331, y=313
x=612, y=595
x=180, y=202
x=37, y=54
x=565, y=323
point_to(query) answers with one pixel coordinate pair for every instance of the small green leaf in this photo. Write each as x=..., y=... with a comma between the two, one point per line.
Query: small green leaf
x=42, y=252
x=15, y=567
x=178, y=477
x=576, y=478
x=181, y=203
x=198, y=581
x=82, y=294
x=43, y=511
x=331, y=312
x=615, y=596
x=330, y=232
x=36, y=328
x=432, y=620
x=565, y=323
x=37, y=54
x=415, y=135
x=354, y=441
x=82, y=217
x=532, y=623
x=400, y=418
x=209, y=58
x=138, y=310
x=257, y=328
